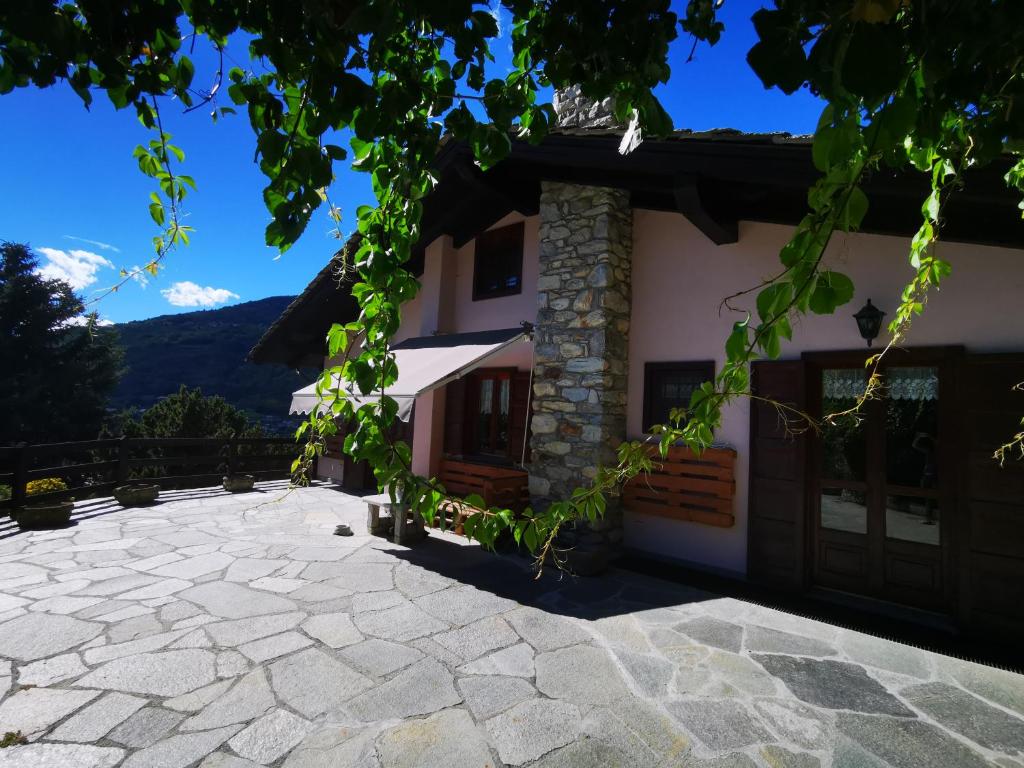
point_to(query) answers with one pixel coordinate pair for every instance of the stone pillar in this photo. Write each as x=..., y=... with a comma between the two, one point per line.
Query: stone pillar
x=581, y=345
x=575, y=110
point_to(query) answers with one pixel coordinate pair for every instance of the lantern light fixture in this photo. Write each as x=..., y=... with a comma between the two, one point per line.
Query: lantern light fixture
x=869, y=321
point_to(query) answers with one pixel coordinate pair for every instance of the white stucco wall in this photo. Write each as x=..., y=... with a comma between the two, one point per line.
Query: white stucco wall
x=680, y=277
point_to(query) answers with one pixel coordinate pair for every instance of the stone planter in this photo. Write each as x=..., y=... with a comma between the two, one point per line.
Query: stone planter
x=238, y=483
x=588, y=562
x=55, y=515
x=136, y=495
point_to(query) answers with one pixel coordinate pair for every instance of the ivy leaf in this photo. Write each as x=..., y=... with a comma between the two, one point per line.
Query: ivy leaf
x=774, y=299
x=875, y=61
x=853, y=211
x=832, y=290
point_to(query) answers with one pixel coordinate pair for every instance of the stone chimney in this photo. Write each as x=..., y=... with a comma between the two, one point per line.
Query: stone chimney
x=575, y=110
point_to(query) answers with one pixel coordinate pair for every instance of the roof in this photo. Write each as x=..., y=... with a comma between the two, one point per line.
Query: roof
x=298, y=337
x=715, y=178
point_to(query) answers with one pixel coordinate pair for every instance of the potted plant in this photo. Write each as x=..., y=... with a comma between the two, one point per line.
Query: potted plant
x=42, y=514
x=136, y=494
x=238, y=483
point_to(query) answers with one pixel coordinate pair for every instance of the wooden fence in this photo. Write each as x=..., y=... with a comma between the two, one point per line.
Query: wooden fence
x=92, y=468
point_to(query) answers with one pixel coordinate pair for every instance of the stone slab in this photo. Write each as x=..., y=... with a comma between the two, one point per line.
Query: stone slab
x=274, y=646
x=60, y=756
x=907, y=743
x=533, y=728
x=231, y=633
x=720, y=724
x=180, y=751
x=333, y=629
x=53, y=670
x=833, y=684
x=380, y=657
x=401, y=623
x=463, y=604
x=40, y=635
x=448, y=739
x=99, y=718
x=517, y=661
x=969, y=716
x=421, y=689
x=249, y=698
x=170, y=673
x=313, y=683
x=35, y=709
x=580, y=674
x=490, y=695
x=270, y=737
x=233, y=601
x=146, y=727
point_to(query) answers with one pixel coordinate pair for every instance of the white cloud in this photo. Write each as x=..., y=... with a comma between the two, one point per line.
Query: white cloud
x=99, y=244
x=188, y=294
x=77, y=268
x=495, y=10
x=83, y=320
x=139, y=275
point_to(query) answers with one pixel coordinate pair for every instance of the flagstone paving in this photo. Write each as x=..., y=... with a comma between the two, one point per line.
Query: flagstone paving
x=235, y=631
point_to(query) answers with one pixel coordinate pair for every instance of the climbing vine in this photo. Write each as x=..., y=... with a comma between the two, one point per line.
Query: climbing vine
x=929, y=85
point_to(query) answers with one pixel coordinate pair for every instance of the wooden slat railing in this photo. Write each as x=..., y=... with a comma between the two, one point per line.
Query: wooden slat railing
x=93, y=468
x=684, y=486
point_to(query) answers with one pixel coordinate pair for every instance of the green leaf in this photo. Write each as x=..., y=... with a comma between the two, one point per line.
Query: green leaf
x=774, y=300
x=853, y=211
x=832, y=290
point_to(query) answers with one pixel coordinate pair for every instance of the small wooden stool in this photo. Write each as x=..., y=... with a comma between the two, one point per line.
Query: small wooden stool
x=399, y=513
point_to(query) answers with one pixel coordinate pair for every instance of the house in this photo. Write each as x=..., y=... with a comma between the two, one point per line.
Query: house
x=621, y=263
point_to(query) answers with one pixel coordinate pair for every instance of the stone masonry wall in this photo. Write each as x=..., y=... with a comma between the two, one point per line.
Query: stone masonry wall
x=575, y=110
x=580, y=341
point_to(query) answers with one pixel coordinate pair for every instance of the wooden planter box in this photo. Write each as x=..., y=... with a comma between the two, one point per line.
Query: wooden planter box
x=698, y=489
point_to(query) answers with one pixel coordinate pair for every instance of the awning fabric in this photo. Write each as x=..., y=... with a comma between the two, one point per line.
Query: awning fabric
x=426, y=363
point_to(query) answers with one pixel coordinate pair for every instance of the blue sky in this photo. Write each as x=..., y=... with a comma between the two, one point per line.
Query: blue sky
x=72, y=190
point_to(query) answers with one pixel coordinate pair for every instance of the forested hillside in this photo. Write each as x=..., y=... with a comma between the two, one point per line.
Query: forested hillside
x=207, y=349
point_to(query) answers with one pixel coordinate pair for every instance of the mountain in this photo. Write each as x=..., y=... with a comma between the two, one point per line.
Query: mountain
x=207, y=349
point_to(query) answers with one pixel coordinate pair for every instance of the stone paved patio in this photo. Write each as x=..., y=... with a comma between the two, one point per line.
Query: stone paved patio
x=236, y=631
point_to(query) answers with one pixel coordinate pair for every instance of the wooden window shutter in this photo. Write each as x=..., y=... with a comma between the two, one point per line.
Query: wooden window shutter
x=519, y=417
x=455, y=417
x=777, y=489
x=988, y=538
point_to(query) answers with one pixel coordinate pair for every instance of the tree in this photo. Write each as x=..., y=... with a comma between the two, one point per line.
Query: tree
x=187, y=413
x=925, y=84
x=57, y=376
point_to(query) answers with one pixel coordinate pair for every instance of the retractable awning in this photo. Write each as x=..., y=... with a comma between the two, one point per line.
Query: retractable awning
x=426, y=363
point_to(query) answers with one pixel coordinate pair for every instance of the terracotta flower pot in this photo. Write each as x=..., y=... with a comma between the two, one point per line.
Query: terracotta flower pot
x=136, y=495
x=54, y=515
x=238, y=483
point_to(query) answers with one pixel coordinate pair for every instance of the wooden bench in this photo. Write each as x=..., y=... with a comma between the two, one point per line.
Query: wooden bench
x=685, y=486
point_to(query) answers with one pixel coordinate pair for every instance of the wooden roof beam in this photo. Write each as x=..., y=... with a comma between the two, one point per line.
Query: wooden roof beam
x=719, y=227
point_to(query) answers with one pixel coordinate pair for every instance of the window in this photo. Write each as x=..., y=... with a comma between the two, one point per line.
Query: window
x=670, y=385
x=498, y=263
x=489, y=418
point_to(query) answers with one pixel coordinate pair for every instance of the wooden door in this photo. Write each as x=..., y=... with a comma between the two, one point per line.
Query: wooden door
x=776, y=511
x=990, y=536
x=881, y=482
